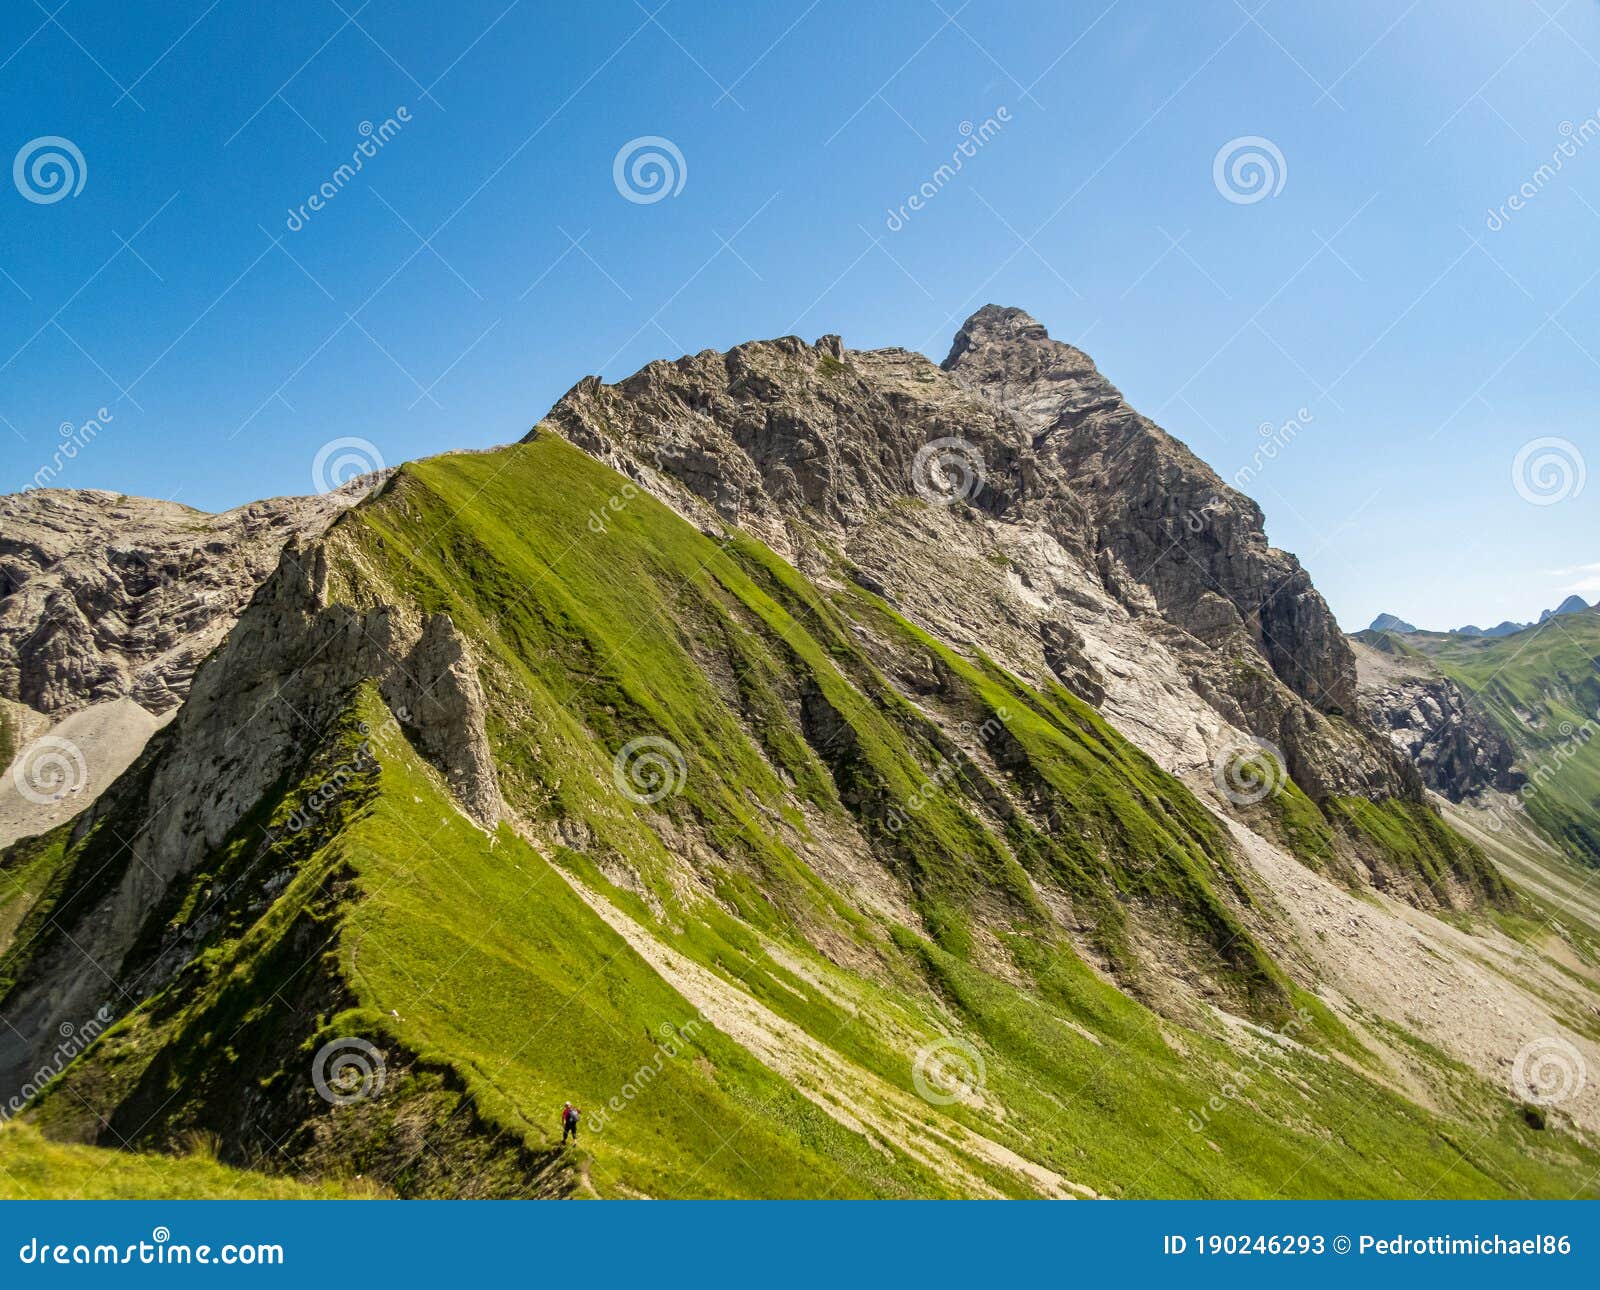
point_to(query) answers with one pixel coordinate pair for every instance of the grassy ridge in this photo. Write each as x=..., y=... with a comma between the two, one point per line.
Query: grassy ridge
x=494, y=991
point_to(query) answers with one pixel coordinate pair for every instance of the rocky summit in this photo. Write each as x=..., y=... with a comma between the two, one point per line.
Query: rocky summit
x=930, y=769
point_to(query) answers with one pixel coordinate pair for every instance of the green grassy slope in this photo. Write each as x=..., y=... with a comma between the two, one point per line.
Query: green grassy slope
x=1541, y=687
x=493, y=991
x=34, y=1168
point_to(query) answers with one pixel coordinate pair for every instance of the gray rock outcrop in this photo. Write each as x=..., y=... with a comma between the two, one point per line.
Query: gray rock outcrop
x=1012, y=501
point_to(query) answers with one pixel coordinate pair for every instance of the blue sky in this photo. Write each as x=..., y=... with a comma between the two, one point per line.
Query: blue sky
x=484, y=258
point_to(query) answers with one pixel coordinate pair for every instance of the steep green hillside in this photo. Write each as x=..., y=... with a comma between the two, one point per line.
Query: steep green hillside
x=824, y=945
x=1542, y=688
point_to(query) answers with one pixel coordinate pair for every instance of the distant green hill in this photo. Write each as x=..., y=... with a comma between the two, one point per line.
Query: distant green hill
x=1541, y=687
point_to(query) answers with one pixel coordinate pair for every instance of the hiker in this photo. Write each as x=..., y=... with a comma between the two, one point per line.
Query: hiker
x=569, y=1122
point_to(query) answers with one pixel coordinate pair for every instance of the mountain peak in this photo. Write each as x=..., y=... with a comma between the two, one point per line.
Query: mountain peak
x=1006, y=355
x=994, y=325
x=1571, y=605
x=1390, y=623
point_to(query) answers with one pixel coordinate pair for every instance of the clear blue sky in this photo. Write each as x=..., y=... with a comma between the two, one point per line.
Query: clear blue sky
x=1368, y=290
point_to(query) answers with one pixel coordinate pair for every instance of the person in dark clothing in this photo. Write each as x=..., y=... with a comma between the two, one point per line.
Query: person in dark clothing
x=569, y=1122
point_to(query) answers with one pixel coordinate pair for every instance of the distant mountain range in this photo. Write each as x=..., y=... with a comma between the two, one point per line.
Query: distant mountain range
x=1571, y=605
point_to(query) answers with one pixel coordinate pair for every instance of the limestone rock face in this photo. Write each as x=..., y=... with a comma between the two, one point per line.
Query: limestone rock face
x=274, y=687
x=1433, y=724
x=105, y=597
x=1011, y=501
x=1145, y=494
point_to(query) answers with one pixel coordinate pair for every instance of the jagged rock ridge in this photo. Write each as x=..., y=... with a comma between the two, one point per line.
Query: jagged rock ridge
x=1089, y=541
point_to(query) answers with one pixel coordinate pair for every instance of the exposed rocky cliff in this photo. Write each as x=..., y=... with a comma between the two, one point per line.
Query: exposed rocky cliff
x=268, y=694
x=1069, y=535
x=108, y=604
x=1432, y=723
x=105, y=597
